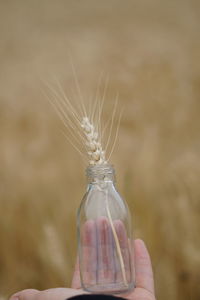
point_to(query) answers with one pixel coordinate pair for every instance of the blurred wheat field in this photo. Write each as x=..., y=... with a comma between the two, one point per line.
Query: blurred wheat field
x=151, y=52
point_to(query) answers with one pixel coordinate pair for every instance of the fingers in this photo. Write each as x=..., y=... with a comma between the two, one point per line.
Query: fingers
x=28, y=294
x=143, y=268
x=97, y=255
x=51, y=294
x=57, y=294
x=89, y=254
x=100, y=262
x=125, y=252
x=105, y=249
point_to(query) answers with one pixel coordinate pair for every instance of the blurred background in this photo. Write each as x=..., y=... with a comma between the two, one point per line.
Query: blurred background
x=151, y=52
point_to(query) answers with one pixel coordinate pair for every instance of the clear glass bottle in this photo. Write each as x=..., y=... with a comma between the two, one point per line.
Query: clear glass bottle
x=104, y=235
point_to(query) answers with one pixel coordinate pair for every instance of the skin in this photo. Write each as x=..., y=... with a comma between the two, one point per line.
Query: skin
x=144, y=281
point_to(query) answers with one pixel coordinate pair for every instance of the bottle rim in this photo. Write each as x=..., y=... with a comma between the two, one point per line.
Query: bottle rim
x=104, y=172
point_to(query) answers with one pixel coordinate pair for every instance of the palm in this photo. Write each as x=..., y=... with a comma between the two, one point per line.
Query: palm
x=140, y=294
x=144, y=282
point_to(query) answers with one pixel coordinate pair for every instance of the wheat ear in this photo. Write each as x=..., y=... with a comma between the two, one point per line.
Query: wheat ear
x=89, y=129
x=95, y=151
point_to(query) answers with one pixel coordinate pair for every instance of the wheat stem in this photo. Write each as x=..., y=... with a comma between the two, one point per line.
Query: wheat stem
x=117, y=243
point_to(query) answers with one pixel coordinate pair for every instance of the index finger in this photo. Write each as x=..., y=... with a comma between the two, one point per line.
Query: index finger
x=88, y=256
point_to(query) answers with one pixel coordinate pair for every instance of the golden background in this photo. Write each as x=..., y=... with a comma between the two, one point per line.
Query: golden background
x=151, y=53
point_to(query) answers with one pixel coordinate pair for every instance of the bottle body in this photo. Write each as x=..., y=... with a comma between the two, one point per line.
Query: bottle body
x=104, y=236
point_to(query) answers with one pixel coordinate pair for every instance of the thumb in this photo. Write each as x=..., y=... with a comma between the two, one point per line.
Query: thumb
x=25, y=294
x=143, y=268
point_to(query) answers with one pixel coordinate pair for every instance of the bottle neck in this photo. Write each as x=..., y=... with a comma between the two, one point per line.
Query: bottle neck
x=100, y=173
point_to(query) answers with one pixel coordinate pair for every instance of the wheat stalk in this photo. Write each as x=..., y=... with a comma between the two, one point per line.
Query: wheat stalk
x=117, y=244
x=87, y=135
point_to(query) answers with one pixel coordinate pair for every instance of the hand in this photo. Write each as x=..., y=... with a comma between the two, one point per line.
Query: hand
x=144, y=282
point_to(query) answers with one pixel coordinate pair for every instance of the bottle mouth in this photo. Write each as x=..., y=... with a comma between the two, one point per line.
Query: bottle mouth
x=103, y=172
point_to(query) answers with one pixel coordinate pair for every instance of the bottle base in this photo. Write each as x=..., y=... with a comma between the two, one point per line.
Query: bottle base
x=112, y=288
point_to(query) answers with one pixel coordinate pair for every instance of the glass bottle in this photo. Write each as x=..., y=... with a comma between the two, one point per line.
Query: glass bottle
x=104, y=235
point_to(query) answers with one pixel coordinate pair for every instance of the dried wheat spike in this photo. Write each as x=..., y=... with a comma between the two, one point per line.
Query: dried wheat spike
x=92, y=139
x=95, y=151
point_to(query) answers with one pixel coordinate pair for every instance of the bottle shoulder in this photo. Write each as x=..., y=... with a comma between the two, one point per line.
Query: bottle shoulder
x=101, y=196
